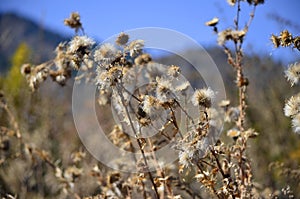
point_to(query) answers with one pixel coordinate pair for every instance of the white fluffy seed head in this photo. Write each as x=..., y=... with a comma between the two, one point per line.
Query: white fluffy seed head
x=203, y=97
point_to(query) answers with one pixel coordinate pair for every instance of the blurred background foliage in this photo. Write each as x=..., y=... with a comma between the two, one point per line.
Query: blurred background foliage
x=46, y=122
x=13, y=82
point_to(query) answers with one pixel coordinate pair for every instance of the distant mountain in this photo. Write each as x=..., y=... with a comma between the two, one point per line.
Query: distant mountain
x=15, y=29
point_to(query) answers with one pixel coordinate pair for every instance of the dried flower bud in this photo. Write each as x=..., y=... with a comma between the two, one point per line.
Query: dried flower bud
x=296, y=43
x=286, y=38
x=60, y=79
x=275, y=40
x=26, y=69
x=73, y=21
x=212, y=22
x=234, y=133
x=122, y=39
x=142, y=59
x=231, y=2
x=256, y=2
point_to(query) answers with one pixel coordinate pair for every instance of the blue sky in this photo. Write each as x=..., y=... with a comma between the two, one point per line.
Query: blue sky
x=103, y=19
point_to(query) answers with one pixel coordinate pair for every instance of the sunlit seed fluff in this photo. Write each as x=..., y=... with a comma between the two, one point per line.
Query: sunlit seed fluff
x=163, y=89
x=184, y=158
x=149, y=104
x=203, y=97
x=293, y=73
x=106, y=51
x=238, y=34
x=122, y=39
x=174, y=71
x=229, y=34
x=292, y=106
x=114, y=74
x=296, y=124
x=136, y=47
x=223, y=36
x=79, y=42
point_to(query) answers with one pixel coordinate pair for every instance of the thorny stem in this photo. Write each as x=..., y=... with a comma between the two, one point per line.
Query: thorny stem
x=138, y=140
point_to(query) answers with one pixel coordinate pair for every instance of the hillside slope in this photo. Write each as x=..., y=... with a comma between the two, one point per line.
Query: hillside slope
x=15, y=29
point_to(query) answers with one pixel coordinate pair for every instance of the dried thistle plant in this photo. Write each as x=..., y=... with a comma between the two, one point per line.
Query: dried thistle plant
x=292, y=74
x=228, y=162
x=222, y=169
x=286, y=39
